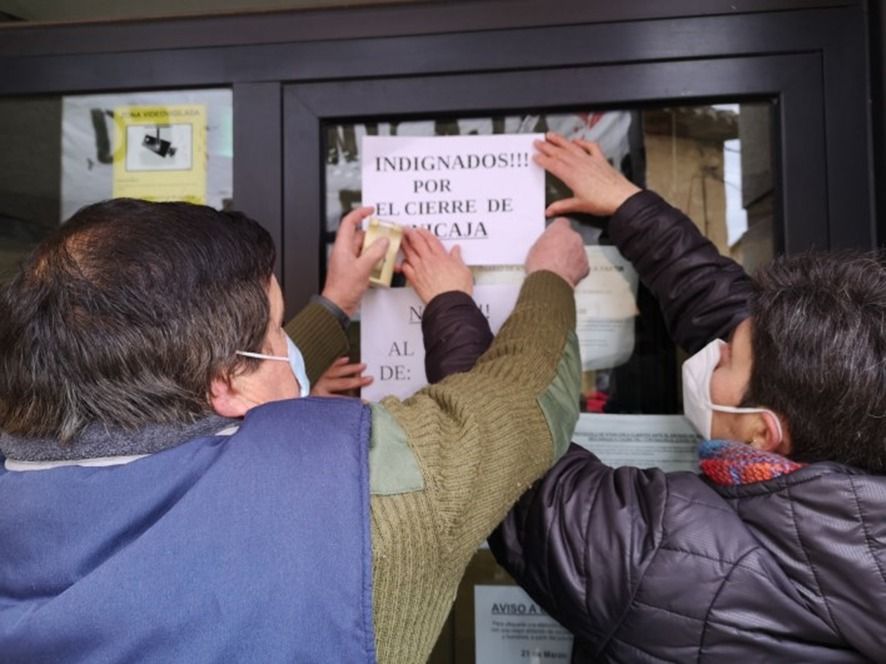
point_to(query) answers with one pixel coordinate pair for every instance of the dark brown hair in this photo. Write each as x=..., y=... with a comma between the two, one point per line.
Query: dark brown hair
x=125, y=314
x=818, y=332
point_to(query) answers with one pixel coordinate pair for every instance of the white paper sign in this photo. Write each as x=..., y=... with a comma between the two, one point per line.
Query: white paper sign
x=645, y=441
x=510, y=628
x=606, y=304
x=483, y=193
x=391, y=340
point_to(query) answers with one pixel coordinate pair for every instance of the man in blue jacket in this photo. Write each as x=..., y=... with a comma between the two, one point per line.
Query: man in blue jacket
x=166, y=498
x=777, y=551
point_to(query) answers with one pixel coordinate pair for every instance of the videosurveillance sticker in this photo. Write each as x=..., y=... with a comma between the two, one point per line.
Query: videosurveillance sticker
x=160, y=152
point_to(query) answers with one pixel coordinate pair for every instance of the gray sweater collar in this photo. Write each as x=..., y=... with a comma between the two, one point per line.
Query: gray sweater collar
x=98, y=440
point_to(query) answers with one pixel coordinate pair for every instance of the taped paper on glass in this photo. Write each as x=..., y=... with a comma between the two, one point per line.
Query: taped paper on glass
x=605, y=307
x=644, y=441
x=605, y=304
x=609, y=129
x=391, y=342
x=484, y=193
x=498, y=274
x=509, y=627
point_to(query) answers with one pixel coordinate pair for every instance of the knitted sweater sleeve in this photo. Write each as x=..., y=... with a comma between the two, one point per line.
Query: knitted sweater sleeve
x=319, y=336
x=479, y=439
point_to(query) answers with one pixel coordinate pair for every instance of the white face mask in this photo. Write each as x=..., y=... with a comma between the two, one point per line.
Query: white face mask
x=697, y=405
x=296, y=363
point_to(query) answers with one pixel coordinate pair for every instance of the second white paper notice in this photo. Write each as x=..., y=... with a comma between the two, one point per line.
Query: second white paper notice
x=606, y=305
x=643, y=441
x=391, y=341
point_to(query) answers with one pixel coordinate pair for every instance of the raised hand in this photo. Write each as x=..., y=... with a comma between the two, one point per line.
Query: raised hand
x=559, y=250
x=597, y=187
x=348, y=275
x=340, y=378
x=430, y=270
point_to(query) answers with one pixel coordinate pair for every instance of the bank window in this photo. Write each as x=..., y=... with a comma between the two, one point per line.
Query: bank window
x=64, y=152
x=713, y=162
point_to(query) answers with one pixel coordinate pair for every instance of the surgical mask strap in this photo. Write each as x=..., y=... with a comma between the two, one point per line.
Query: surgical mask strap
x=739, y=410
x=261, y=356
x=296, y=363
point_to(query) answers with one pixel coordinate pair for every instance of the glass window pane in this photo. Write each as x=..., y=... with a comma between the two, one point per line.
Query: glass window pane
x=30, y=170
x=713, y=162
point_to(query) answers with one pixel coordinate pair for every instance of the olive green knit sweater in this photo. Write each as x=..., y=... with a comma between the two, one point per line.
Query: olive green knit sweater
x=472, y=444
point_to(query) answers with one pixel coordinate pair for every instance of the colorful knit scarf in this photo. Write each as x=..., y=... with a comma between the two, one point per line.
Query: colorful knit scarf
x=732, y=464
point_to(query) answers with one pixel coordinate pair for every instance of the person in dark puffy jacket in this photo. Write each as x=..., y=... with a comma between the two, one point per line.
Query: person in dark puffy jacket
x=777, y=550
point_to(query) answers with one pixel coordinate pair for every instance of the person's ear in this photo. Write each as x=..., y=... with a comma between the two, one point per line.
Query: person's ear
x=767, y=435
x=225, y=399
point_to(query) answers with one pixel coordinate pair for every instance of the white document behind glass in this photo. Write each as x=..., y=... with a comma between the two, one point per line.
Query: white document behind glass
x=391, y=341
x=484, y=193
x=646, y=441
x=509, y=628
x=605, y=305
x=498, y=274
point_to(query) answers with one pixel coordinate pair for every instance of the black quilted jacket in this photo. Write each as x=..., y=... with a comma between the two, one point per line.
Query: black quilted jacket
x=646, y=566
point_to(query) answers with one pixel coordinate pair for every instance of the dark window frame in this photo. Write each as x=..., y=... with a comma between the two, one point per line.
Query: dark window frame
x=262, y=57
x=790, y=82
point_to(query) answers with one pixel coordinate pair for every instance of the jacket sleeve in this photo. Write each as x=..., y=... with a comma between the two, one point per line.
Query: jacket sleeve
x=702, y=294
x=456, y=334
x=580, y=539
x=320, y=338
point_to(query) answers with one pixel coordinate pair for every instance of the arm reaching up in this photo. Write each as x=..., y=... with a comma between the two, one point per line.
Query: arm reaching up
x=318, y=329
x=702, y=294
